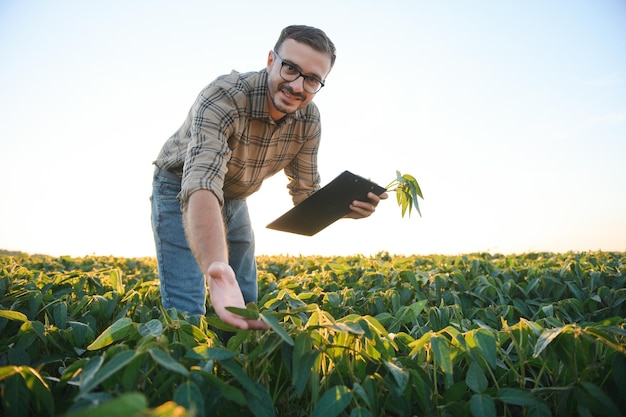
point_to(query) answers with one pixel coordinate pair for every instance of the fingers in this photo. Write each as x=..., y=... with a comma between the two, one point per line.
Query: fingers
x=257, y=325
x=224, y=292
x=362, y=209
x=233, y=319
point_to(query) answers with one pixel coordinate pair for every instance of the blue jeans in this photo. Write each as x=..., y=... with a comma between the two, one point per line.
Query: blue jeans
x=182, y=282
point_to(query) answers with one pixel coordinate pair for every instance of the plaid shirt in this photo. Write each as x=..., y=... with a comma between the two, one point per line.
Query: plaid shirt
x=229, y=144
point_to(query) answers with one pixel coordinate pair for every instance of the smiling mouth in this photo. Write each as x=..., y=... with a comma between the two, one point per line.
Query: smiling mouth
x=290, y=94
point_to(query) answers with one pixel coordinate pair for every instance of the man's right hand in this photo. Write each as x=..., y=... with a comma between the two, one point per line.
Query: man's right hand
x=224, y=292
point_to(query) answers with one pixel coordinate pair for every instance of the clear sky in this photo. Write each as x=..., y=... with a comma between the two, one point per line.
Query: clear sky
x=511, y=115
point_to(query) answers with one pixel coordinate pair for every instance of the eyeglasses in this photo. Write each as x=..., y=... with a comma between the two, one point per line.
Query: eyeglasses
x=289, y=72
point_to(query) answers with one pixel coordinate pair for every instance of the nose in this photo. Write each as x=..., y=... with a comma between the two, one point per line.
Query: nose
x=297, y=85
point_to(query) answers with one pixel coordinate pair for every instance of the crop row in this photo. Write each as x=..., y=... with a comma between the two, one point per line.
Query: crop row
x=477, y=335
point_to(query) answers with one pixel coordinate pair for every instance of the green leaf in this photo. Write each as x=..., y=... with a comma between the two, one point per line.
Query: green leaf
x=189, y=396
x=236, y=371
x=117, y=331
x=261, y=405
x=380, y=329
x=33, y=327
x=209, y=353
x=244, y=312
x=333, y=402
x=8, y=371
x=41, y=397
x=516, y=396
x=349, y=327
x=361, y=393
x=360, y=412
x=151, y=328
x=197, y=335
x=216, y=322
x=118, y=362
x=547, y=336
x=618, y=366
x=258, y=399
x=275, y=325
x=482, y=405
x=88, y=372
x=609, y=335
x=59, y=313
x=486, y=342
x=78, y=333
x=400, y=375
x=593, y=398
x=13, y=315
x=15, y=396
x=442, y=355
x=476, y=379
x=407, y=192
x=303, y=359
x=115, y=276
x=123, y=406
x=229, y=392
x=166, y=361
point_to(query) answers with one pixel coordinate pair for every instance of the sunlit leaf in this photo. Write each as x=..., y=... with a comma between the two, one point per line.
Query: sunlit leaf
x=209, y=353
x=546, y=338
x=608, y=335
x=41, y=397
x=117, y=331
x=115, y=276
x=407, y=192
x=13, y=315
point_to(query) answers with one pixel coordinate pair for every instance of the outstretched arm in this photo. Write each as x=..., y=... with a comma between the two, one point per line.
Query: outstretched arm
x=206, y=234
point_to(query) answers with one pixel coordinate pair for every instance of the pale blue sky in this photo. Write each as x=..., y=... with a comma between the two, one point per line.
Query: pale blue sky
x=512, y=116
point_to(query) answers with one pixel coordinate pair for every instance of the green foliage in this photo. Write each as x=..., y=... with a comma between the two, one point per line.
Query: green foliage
x=407, y=191
x=475, y=335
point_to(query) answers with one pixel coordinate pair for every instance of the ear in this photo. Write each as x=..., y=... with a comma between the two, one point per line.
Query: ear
x=270, y=59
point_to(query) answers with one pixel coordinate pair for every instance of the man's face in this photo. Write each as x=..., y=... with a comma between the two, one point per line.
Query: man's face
x=286, y=97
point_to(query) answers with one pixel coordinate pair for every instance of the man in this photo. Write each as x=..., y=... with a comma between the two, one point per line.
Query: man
x=242, y=129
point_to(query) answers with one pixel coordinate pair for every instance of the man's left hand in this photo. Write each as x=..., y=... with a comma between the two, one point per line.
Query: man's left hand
x=362, y=209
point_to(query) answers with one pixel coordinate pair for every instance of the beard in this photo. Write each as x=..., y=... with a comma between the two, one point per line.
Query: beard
x=279, y=105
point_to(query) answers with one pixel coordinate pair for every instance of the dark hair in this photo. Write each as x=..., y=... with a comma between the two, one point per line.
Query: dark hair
x=315, y=38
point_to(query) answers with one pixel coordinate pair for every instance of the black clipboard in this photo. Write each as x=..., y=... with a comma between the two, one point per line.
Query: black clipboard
x=326, y=205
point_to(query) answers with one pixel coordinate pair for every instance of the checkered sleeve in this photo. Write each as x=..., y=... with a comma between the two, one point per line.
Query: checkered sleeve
x=212, y=119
